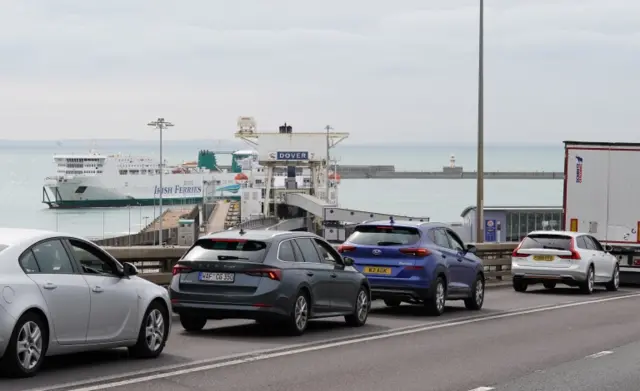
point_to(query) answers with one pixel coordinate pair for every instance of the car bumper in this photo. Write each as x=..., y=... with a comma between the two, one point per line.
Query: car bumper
x=572, y=274
x=229, y=311
x=398, y=289
x=7, y=323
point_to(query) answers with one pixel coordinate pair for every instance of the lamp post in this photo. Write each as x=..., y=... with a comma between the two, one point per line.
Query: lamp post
x=328, y=128
x=161, y=125
x=480, y=169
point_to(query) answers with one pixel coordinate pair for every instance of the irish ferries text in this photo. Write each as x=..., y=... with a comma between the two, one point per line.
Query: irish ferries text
x=177, y=189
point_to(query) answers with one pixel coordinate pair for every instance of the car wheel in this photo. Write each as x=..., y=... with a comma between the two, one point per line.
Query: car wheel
x=27, y=347
x=476, y=300
x=614, y=283
x=192, y=323
x=549, y=285
x=587, y=286
x=519, y=285
x=299, y=317
x=435, y=304
x=361, y=309
x=153, y=334
x=392, y=302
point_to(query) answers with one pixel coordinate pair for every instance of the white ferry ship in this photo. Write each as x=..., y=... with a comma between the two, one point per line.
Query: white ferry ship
x=96, y=180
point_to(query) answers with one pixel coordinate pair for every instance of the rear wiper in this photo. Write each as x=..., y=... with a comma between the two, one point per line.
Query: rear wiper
x=230, y=258
x=389, y=243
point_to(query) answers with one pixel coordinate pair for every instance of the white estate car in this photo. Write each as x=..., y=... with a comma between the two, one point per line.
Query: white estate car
x=570, y=258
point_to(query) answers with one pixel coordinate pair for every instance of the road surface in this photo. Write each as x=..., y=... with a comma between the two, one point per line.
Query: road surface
x=540, y=340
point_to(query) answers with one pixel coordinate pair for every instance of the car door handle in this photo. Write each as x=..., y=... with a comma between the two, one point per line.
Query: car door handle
x=310, y=274
x=50, y=286
x=97, y=289
x=333, y=275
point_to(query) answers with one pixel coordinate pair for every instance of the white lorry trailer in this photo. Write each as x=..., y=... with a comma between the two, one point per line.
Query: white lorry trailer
x=602, y=197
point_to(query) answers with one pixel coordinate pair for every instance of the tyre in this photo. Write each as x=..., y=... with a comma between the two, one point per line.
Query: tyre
x=519, y=285
x=614, y=283
x=27, y=347
x=476, y=300
x=549, y=285
x=361, y=309
x=153, y=334
x=299, y=317
x=192, y=323
x=587, y=286
x=435, y=303
x=392, y=302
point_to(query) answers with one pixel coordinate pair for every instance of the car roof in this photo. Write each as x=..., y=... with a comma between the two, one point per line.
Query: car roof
x=14, y=236
x=559, y=233
x=405, y=223
x=257, y=234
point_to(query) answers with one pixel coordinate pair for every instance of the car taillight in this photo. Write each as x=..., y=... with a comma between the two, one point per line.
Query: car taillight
x=345, y=248
x=418, y=252
x=273, y=274
x=516, y=254
x=177, y=269
x=574, y=255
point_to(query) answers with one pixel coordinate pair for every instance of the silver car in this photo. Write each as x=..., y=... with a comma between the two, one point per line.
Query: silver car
x=62, y=294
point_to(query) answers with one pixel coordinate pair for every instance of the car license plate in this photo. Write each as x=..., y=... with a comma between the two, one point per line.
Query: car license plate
x=216, y=277
x=377, y=270
x=546, y=258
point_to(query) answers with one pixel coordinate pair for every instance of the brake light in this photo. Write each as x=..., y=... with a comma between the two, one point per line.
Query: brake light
x=177, y=269
x=229, y=240
x=574, y=254
x=345, y=248
x=418, y=252
x=516, y=254
x=272, y=274
x=413, y=267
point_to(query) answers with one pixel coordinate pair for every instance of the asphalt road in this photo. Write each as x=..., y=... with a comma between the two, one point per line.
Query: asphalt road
x=501, y=346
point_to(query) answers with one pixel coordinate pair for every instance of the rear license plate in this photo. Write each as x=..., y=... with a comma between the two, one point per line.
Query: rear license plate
x=377, y=270
x=546, y=258
x=216, y=277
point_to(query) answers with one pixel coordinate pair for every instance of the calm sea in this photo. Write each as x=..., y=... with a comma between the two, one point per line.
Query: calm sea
x=25, y=165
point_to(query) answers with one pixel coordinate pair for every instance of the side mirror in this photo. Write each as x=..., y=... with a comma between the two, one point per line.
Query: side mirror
x=348, y=261
x=608, y=248
x=129, y=269
x=472, y=249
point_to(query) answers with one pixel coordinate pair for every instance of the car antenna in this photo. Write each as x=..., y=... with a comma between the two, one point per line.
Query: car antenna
x=390, y=219
x=242, y=231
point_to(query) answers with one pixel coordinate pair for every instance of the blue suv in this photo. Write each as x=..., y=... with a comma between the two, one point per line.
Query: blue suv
x=416, y=262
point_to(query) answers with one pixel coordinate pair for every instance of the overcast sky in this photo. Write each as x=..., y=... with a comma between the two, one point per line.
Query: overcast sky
x=383, y=70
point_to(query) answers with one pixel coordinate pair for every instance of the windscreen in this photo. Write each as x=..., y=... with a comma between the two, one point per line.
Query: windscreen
x=227, y=250
x=2, y=247
x=371, y=235
x=549, y=241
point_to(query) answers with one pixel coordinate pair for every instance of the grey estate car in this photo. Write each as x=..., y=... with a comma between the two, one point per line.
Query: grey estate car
x=278, y=277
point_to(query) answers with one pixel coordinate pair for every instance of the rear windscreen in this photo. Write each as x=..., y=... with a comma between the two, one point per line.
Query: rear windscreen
x=370, y=235
x=226, y=250
x=555, y=242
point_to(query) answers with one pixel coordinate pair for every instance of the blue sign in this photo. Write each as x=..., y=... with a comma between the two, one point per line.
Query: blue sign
x=490, y=230
x=286, y=155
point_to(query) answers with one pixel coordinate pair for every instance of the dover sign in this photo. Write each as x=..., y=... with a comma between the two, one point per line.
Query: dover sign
x=292, y=155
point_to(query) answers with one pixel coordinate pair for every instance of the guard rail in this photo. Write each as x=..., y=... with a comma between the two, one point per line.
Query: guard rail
x=155, y=263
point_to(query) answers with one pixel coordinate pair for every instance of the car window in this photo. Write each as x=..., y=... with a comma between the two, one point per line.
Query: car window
x=372, y=235
x=581, y=242
x=286, y=252
x=91, y=260
x=28, y=263
x=550, y=241
x=52, y=257
x=220, y=249
x=308, y=250
x=2, y=247
x=455, y=241
x=327, y=253
x=440, y=238
x=596, y=243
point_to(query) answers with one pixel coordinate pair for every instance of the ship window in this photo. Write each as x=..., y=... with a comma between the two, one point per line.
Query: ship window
x=81, y=189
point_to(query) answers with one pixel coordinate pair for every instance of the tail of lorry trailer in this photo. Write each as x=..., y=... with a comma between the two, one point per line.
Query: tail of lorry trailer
x=602, y=196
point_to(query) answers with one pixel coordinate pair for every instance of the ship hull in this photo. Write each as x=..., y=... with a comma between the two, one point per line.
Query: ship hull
x=100, y=192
